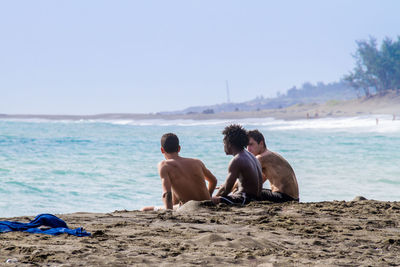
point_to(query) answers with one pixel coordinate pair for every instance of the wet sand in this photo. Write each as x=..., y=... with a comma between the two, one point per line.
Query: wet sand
x=335, y=233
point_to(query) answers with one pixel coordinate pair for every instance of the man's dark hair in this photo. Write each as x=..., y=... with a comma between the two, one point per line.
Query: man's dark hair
x=236, y=135
x=257, y=136
x=170, y=142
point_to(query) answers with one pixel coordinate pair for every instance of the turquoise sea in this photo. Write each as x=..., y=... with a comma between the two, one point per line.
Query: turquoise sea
x=102, y=166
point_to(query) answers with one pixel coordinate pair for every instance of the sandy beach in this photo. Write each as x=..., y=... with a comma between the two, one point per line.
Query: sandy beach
x=336, y=233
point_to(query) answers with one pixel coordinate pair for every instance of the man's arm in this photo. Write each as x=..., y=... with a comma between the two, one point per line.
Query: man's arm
x=235, y=187
x=175, y=199
x=211, y=179
x=166, y=186
x=233, y=174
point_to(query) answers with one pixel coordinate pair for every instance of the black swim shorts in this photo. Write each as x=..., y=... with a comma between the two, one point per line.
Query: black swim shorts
x=240, y=198
x=277, y=197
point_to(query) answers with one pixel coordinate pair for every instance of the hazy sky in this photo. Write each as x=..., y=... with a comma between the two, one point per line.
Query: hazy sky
x=88, y=57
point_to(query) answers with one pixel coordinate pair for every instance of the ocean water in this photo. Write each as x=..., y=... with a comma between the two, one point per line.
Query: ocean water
x=102, y=166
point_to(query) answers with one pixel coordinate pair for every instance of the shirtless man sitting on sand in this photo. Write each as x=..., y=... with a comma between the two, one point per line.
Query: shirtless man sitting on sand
x=182, y=179
x=243, y=168
x=275, y=169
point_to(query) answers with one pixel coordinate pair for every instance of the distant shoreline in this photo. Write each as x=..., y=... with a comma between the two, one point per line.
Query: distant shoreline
x=387, y=104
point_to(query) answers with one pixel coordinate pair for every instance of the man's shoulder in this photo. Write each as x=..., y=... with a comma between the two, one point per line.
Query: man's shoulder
x=277, y=155
x=245, y=155
x=165, y=163
x=193, y=161
x=241, y=158
x=272, y=158
x=170, y=162
x=267, y=155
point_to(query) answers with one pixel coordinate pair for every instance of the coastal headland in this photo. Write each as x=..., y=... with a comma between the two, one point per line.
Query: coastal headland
x=339, y=233
x=389, y=103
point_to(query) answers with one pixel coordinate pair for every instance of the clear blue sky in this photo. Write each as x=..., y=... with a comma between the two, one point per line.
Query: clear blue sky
x=88, y=57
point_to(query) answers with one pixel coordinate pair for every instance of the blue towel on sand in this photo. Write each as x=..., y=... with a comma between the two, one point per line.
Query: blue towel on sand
x=57, y=226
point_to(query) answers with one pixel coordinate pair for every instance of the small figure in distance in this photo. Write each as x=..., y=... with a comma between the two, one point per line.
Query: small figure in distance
x=275, y=169
x=244, y=169
x=182, y=179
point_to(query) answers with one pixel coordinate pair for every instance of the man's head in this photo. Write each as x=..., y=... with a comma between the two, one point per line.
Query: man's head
x=235, y=136
x=170, y=143
x=256, y=144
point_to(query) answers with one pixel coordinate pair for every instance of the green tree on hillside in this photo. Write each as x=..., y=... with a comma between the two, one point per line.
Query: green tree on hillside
x=376, y=69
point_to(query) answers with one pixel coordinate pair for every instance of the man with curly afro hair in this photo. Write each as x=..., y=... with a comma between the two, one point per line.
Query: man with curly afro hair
x=244, y=170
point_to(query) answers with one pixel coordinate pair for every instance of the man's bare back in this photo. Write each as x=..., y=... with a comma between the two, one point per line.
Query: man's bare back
x=182, y=179
x=187, y=177
x=279, y=173
x=275, y=169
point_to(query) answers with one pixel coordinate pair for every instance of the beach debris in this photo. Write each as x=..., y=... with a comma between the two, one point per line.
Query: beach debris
x=12, y=260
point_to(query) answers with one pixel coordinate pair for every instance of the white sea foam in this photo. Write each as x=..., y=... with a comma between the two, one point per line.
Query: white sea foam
x=385, y=124
x=360, y=124
x=354, y=124
x=190, y=122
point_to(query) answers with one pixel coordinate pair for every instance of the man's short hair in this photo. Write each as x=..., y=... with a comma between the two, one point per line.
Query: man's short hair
x=236, y=135
x=170, y=143
x=257, y=136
